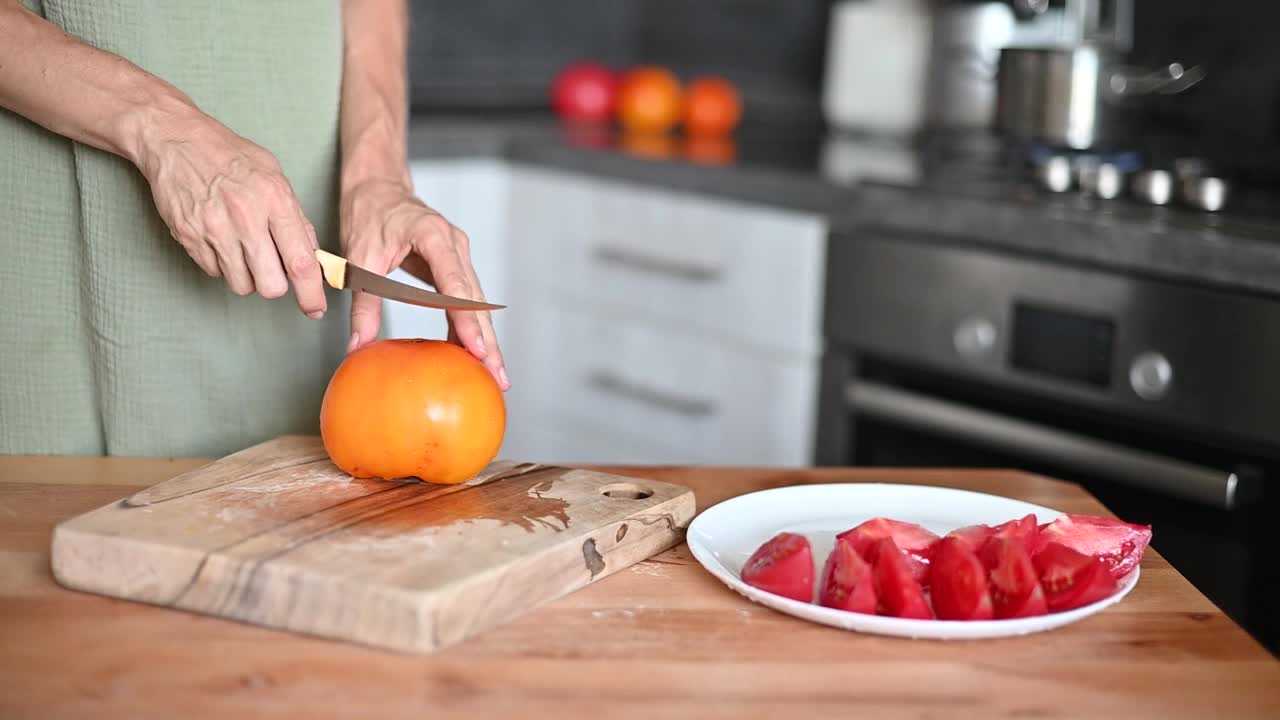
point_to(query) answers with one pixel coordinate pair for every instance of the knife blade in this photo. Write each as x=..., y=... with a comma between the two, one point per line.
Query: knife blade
x=342, y=274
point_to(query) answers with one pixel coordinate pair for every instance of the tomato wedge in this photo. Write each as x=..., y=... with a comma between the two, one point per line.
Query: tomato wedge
x=1015, y=585
x=899, y=592
x=1024, y=530
x=783, y=565
x=1118, y=544
x=1072, y=579
x=914, y=540
x=848, y=582
x=974, y=535
x=958, y=582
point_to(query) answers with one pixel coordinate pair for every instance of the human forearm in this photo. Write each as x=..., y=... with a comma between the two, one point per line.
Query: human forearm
x=78, y=91
x=374, y=92
x=384, y=225
x=224, y=199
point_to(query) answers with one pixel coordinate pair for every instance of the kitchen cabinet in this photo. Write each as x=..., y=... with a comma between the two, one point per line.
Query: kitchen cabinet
x=645, y=324
x=701, y=400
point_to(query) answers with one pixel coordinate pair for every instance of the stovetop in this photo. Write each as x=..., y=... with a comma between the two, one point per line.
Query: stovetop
x=982, y=167
x=972, y=190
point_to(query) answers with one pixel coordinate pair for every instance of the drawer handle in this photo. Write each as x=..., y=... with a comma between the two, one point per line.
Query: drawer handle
x=612, y=384
x=647, y=263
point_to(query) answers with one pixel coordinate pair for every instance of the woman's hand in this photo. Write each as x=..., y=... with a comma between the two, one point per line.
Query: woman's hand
x=384, y=226
x=224, y=198
x=228, y=203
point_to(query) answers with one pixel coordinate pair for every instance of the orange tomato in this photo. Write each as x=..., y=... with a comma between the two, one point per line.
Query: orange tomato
x=712, y=106
x=402, y=408
x=649, y=100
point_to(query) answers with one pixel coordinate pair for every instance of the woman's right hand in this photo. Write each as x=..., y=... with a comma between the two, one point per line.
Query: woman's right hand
x=228, y=203
x=224, y=199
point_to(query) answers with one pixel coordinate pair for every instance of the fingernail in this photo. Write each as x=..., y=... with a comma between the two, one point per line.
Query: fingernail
x=502, y=375
x=355, y=340
x=315, y=314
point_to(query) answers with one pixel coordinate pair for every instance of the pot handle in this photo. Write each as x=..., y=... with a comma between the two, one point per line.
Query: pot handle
x=1169, y=80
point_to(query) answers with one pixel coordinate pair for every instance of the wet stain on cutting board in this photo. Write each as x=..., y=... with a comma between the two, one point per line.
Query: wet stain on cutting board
x=519, y=497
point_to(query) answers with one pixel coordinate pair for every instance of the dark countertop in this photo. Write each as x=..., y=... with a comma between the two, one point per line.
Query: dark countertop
x=859, y=182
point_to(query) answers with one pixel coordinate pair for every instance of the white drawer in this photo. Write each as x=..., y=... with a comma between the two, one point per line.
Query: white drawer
x=701, y=401
x=572, y=441
x=741, y=271
x=745, y=272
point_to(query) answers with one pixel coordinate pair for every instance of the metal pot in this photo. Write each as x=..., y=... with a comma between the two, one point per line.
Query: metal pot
x=1077, y=97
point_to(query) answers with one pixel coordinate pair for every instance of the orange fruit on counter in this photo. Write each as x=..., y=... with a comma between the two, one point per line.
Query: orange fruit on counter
x=649, y=100
x=401, y=408
x=712, y=106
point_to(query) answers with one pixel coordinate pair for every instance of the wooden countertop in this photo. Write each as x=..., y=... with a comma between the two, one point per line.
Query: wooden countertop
x=661, y=639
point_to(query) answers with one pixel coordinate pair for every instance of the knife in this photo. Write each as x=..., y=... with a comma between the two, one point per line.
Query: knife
x=342, y=274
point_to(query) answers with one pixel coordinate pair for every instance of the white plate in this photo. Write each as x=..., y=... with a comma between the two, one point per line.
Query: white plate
x=725, y=535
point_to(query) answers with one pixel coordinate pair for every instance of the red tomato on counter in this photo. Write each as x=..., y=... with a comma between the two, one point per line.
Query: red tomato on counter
x=584, y=92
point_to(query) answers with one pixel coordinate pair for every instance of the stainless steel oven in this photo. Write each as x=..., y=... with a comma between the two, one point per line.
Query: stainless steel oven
x=1159, y=398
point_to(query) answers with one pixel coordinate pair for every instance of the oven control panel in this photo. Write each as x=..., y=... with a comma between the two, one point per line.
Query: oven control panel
x=1066, y=345
x=1150, y=376
x=975, y=337
x=1158, y=349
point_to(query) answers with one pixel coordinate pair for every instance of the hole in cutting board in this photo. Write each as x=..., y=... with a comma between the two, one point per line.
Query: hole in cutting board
x=626, y=491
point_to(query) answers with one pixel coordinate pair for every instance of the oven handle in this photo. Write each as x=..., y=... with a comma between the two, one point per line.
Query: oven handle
x=1153, y=472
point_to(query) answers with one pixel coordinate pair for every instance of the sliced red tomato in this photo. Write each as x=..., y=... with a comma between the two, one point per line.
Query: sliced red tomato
x=1024, y=530
x=914, y=540
x=974, y=535
x=848, y=582
x=958, y=582
x=900, y=594
x=1015, y=585
x=1118, y=544
x=1070, y=578
x=783, y=565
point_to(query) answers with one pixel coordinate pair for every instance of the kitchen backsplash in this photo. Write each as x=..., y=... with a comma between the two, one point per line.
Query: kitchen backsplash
x=504, y=53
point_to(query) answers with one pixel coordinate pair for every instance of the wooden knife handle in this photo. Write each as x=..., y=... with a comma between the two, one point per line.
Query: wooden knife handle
x=335, y=268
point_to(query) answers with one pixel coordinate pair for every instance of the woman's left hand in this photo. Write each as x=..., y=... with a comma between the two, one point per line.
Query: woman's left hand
x=384, y=226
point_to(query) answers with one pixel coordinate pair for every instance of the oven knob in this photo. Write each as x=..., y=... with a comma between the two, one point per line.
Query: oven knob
x=1151, y=376
x=974, y=337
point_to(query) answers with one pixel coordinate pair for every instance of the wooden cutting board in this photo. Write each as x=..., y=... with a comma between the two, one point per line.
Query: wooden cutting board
x=277, y=536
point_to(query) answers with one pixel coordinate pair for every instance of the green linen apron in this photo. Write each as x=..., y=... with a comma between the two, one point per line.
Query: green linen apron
x=112, y=340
